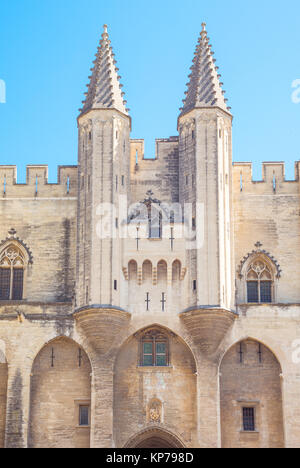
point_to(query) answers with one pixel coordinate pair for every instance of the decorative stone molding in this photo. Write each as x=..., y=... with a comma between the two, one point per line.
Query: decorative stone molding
x=12, y=238
x=257, y=252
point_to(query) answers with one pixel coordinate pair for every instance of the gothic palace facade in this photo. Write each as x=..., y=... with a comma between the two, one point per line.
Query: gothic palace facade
x=150, y=303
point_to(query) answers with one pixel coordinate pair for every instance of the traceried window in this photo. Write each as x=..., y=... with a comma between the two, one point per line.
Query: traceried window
x=12, y=265
x=259, y=283
x=155, y=349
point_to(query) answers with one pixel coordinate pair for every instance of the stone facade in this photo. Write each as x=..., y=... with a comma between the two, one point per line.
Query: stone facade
x=137, y=325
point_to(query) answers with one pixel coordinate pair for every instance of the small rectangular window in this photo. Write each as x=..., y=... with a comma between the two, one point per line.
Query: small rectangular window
x=84, y=415
x=252, y=291
x=123, y=180
x=249, y=419
x=115, y=285
x=194, y=285
x=117, y=223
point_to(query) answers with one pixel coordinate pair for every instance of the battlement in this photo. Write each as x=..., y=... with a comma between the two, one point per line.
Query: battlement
x=273, y=179
x=37, y=184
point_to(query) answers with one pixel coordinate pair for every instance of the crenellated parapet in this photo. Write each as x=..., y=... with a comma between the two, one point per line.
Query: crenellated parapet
x=273, y=179
x=37, y=185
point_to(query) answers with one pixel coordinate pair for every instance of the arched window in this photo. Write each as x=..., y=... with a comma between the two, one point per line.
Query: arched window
x=12, y=265
x=155, y=349
x=259, y=282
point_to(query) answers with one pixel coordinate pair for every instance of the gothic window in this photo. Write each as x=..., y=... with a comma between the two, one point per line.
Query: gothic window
x=12, y=264
x=259, y=283
x=155, y=352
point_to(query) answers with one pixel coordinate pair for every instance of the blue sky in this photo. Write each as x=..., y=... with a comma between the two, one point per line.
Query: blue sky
x=47, y=48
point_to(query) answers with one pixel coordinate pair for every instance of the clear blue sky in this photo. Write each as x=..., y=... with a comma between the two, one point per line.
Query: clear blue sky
x=47, y=49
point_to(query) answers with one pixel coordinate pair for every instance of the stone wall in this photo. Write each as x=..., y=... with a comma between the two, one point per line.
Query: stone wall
x=44, y=218
x=136, y=388
x=60, y=383
x=251, y=378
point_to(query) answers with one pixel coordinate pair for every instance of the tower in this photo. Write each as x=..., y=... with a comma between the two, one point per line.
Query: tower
x=103, y=171
x=205, y=160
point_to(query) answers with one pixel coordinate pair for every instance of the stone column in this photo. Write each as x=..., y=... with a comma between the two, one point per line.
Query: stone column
x=208, y=396
x=102, y=405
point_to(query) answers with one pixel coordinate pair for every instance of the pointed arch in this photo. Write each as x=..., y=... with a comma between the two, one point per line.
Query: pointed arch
x=60, y=393
x=251, y=397
x=155, y=383
x=155, y=437
x=265, y=256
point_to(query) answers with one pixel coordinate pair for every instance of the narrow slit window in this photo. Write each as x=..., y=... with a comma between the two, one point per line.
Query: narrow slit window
x=84, y=415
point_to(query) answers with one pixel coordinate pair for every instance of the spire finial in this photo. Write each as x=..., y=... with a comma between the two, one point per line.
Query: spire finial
x=204, y=87
x=104, y=89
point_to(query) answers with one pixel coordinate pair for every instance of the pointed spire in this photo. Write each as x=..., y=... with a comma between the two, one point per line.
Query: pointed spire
x=204, y=87
x=104, y=89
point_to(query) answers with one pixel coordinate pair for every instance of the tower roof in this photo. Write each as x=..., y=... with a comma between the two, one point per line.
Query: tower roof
x=204, y=87
x=104, y=89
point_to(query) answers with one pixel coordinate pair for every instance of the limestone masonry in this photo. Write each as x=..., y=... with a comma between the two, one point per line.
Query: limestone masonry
x=150, y=303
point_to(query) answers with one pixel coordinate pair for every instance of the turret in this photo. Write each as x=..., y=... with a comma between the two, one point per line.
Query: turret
x=104, y=174
x=205, y=162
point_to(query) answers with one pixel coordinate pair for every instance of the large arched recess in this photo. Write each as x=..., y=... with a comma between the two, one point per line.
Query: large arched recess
x=173, y=389
x=250, y=377
x=3, y=396
x=60, y=384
